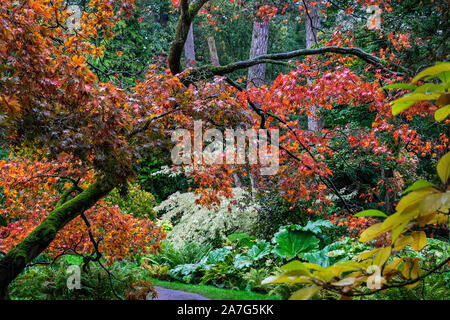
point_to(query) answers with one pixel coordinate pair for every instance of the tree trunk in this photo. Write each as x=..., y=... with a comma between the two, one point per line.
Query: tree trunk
x=213, y=51
x=315, y=122
x=257, y=74
x=189, y=48
x=260, y=41
x=312, y=24
x=41, y=237
x=164, y=13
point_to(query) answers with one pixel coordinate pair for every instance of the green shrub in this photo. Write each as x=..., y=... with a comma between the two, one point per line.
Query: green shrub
x=173, y=255
x=274, y=212
x=253, y=279
x=160, y=181
x=135, y=201
x=50, y=282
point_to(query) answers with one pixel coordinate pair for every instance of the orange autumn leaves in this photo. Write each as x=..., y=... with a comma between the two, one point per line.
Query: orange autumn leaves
x=31, y=190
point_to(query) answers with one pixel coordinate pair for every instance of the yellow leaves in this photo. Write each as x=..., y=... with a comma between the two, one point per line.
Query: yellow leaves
x=419, y=240
x=443, y=168
x=438, y=219
x=402, y=242
x=367, y=254
x=413, y=198
x=382, y=256
x=442, y=113
x=391, y=269
x=305, y=293
x=295, y=272
x=405, y=102
x=432, y=203
x=432, y=71
x=286, y=278
x=411, y=270
x=345, y=266
x=428, y=91
x=352, y=280
x=372, y=232
x=406, y=269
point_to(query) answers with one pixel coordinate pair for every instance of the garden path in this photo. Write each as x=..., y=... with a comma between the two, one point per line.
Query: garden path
x=170, y=294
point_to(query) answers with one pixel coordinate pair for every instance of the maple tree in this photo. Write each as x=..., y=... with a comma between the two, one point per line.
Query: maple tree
x=80, y=137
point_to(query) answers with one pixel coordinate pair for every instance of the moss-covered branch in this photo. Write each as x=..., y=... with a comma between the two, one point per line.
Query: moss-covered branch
x=41, y=237
x=206, y=72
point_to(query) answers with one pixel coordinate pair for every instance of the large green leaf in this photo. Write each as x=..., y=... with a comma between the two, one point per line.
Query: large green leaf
x=315, y=227
x=420, y=184
x=242, y=238
x=371, y=213
x=257, y=252
x=216, y=256
x=242, y=261
x=260, y=250
x=290, y=243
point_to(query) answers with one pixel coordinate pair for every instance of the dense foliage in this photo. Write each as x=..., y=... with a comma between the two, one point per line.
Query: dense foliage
x=91, y=92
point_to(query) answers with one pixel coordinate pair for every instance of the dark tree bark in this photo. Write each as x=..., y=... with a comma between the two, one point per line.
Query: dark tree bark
x=260, y=41
x=188, y=13
x=40, y=238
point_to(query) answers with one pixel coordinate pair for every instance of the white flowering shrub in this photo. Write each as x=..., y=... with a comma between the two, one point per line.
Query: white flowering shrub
x=192, y=222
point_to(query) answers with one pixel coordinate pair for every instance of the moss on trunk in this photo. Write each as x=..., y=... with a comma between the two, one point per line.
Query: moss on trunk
x=41, y=237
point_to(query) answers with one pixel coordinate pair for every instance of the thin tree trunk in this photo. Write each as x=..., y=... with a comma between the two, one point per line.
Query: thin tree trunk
x=312, y=24
x=213, y=51
x=257, y=74
x=315, y=122
x=189, y=48
x=260, y=41
x=40, y=238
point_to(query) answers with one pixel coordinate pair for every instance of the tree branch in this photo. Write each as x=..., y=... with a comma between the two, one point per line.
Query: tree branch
x=206, y=72
x=188, y=13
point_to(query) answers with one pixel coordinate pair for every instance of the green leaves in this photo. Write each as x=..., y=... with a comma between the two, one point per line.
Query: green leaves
x=442, y=113
x=216, y=256
x=242, y=238
x=420, y=184
x=432, y=71
x=290, y=243
x=316, y=227
x=426, y=92
x=255, y=253
x=408, y=100
x=400, y=86
x=371, y=213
